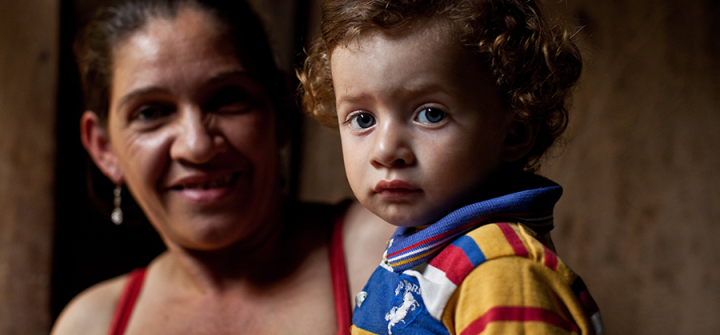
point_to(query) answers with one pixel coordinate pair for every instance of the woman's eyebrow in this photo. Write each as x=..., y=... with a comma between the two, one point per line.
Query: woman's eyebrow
x=147, y=90
x=219, y=78
x=224, y=76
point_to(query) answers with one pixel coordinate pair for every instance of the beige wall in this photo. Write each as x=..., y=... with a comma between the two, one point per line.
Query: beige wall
x=28, y=72
x=639, y=217
x=642, y=189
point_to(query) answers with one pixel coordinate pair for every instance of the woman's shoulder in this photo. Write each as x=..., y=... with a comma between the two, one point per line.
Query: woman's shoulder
x=91, y=311
x=316, y=219
x=319, y=212
x=365, y=237
x=361, y=228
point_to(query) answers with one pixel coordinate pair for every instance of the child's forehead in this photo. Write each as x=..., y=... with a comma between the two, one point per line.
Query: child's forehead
x=424, y=34
x=429, y=31
x=417, y=64
x=430, y=41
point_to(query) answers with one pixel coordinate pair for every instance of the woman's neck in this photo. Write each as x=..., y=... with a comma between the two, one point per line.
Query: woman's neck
x=263, y=258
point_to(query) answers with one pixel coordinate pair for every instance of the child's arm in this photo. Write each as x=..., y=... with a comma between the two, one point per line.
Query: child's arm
x=522, y=287
x=514, y=295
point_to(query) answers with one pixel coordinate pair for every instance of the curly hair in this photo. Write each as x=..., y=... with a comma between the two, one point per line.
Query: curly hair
x=535, y=65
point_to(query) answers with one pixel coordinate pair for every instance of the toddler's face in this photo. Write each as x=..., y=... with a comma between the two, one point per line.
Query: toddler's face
x=422, y=125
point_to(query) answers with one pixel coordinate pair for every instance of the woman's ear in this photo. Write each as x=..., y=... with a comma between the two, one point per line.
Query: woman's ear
x=97, y=143
x=519, y=140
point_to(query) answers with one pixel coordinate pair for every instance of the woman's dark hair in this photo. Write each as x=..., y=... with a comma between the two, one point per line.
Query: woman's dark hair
x=114, y=23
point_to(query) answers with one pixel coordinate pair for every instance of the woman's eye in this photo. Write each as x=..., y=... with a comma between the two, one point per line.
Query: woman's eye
x=151, y=112
x=430, y=115
x=229, y=99
x=362, y=121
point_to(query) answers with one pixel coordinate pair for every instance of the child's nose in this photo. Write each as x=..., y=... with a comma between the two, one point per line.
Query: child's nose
x=196, y=141
x=392, y=147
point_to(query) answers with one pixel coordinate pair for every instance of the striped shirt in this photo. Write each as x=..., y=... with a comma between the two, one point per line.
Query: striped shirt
x=479, y=270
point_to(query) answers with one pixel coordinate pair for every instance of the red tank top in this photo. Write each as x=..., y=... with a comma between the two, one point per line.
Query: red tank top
x=338, y=275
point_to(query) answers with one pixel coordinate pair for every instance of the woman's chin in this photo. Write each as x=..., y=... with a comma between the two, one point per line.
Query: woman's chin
x=212, y=229
x=216, y=238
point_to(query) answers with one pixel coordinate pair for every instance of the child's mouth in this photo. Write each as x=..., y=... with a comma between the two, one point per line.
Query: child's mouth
x=395, y=189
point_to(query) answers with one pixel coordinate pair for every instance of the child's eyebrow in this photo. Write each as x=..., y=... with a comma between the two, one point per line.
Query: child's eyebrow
x=353, y=99
x=425, y=89
x=419, y=90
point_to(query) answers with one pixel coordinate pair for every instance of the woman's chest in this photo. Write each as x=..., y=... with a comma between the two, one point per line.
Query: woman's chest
x=300, y=304
x=257, y=319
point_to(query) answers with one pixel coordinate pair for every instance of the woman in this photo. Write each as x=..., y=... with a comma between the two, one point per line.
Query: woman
x=183, y=110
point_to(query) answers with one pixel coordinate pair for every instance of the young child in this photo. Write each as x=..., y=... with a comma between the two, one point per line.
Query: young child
x=445, y=108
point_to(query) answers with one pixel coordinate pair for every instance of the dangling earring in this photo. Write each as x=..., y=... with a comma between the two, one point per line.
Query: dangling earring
x=117, y=214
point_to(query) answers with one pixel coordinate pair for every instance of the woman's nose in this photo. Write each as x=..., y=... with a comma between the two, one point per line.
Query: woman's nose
x=392, y=147
x=196, y=140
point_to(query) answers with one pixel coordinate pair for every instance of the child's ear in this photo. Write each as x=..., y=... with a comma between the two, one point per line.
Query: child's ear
x=95, y=140
x=519, y=140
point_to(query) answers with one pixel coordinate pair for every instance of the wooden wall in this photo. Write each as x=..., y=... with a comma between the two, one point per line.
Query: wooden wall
x=639, y=219
x=641, y=171
x=641, y=167
x=28, y=78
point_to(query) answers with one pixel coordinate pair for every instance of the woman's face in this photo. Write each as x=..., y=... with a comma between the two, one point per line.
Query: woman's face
x=193, y=134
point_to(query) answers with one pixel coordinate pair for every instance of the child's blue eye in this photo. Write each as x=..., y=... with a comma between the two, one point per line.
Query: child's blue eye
x=430, y=115
x=362, y=121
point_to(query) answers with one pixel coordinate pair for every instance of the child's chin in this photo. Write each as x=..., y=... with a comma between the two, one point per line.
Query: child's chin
x=402, y=215
x=403, y=221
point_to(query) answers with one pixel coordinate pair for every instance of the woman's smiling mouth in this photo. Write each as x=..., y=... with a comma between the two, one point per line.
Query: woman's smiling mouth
x=204, y=189
x=217, y=182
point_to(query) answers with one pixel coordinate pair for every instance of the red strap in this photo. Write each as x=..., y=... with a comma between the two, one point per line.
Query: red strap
x=338, y=273
x=127, y=301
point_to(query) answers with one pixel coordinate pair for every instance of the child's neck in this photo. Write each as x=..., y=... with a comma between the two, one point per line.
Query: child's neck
x=501, y=183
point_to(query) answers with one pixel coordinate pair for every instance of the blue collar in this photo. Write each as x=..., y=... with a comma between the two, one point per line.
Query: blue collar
x=533, y=207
